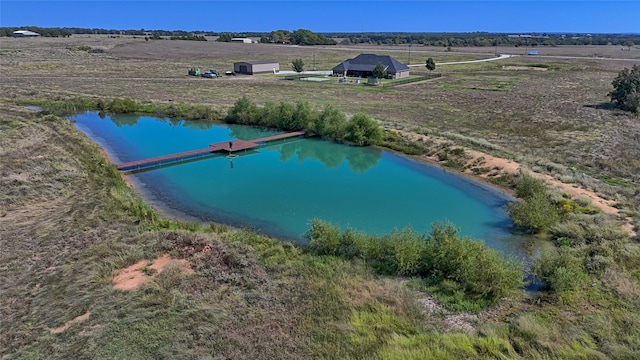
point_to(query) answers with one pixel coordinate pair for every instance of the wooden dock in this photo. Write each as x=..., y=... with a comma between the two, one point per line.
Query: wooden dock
x=278, y=137
x=228, y=147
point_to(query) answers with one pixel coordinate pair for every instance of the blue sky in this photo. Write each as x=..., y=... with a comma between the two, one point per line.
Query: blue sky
x=512, y=16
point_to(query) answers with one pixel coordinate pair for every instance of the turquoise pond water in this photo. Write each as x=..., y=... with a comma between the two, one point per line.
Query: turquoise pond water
x=278, y=188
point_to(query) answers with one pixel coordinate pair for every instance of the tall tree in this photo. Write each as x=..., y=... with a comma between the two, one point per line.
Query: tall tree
x=280, y=36
x=628, y=44
x=626, y=89
x=224, y=37
x=297, y=65
x=308, y=37
x=380, y=71
x=431, y=65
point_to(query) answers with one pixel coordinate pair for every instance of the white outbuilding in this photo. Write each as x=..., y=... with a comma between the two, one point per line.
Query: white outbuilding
x=242, y=40
x=25, y=33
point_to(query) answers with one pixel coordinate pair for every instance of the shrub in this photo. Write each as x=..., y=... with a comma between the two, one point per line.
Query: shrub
x=268, y=115
x=286, y=116
x=242, y=112
x=626, y=89
x=363, y=130
x=561, y=271
x=460, y=269
x=122, y=106
x=535, y=213
x=303, y=116
x=481, y=271
x=528, y=186
x=354, y=243
x=408, y=251
x=330, y=123
x=324, y=237
x=360, y=130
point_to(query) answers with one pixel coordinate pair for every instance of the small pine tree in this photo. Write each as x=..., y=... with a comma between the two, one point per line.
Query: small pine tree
x=431, y=65
x=297, y=65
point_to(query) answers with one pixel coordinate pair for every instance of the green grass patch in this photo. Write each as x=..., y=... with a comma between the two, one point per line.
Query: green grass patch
x=67, y=107
x=615, y=181
x=447, y=346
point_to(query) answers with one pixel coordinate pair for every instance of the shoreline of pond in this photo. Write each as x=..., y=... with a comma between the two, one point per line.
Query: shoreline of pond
x=169, y=212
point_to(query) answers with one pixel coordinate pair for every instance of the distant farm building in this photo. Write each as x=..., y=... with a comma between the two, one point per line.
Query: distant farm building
x=25, y=33
x=256, y=67
x=363, y=65
x=242, y=40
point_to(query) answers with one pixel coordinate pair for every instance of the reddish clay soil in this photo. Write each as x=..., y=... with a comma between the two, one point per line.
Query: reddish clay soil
x=132, y=277
x=510, y=167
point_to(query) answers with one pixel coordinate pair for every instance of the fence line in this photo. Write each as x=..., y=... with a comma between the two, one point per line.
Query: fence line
x=301, y=76
x=390, y=84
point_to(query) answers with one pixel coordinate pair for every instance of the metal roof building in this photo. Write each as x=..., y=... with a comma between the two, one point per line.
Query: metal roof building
x=25, y=33
x=363, y=64
x=242, y=40
x=256, y=67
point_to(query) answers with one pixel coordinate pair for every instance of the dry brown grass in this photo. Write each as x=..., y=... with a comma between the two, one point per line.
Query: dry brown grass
x=63, y=238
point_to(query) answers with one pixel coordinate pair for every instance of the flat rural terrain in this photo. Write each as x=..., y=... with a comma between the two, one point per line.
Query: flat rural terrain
x=88, y=270
x=560, y=114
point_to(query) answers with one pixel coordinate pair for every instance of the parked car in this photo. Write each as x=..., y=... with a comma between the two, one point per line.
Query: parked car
x=209, y=75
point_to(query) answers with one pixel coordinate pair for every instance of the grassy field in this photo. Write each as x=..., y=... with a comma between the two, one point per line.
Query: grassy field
x=69, y=223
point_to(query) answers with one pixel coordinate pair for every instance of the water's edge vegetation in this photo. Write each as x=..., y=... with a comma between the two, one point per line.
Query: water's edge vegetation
x=357, y=311
x=462, y=273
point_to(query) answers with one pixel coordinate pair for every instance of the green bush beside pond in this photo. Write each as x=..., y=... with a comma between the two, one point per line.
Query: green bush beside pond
x=461, y=272
x=329, y=123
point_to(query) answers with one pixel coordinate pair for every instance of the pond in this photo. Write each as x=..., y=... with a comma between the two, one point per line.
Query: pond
x=278, y=188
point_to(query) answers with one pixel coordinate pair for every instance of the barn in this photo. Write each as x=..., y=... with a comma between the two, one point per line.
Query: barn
x=256, y=67
x=363, y=65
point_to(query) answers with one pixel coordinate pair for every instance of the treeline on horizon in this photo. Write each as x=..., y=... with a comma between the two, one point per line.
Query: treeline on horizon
x=297, y=37
x=307, y=37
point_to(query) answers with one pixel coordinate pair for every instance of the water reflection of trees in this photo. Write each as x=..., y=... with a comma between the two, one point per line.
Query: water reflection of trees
x=330, y=154
x=121, y=120
x=198, y=124
x=246, y=132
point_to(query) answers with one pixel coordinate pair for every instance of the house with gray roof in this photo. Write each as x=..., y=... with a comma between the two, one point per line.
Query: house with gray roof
x=363, y=64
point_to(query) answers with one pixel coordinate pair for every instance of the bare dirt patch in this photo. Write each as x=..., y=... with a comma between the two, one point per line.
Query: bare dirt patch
x=501, y=166
x=132, y=277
